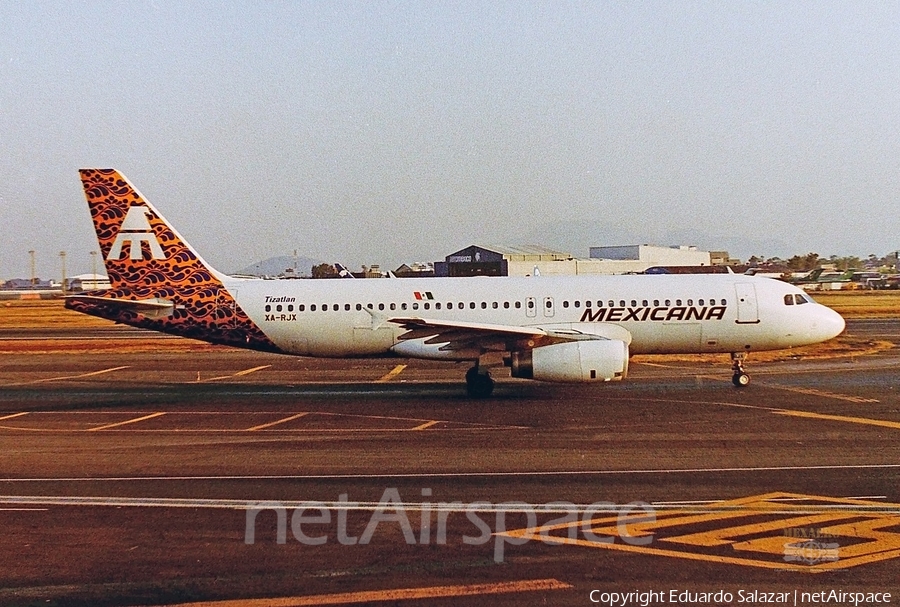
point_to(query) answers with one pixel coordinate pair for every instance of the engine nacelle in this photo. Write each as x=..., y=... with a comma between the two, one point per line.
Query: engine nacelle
x=576, y=361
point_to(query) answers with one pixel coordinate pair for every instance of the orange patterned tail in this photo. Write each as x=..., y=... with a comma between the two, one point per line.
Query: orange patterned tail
x=140, y=249
x=151, y=266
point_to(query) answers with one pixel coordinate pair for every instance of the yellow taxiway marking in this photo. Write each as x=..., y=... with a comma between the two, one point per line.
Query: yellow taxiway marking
x=63, y=377
x=427, y=425
x=280, y=421
x=398, y=594
x=14, y=415
x=884, y=423
x=238, y=374
x=839, y=418
x=774, y=531
x=823, y=393
x=127, y=421
x=391, y=374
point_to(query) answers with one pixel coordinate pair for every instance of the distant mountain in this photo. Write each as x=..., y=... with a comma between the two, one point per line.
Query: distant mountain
x=283, y=265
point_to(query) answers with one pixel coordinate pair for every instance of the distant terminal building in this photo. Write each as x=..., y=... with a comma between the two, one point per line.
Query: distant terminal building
x=653, y=255
x=89, y=282
x=415, y=270
x=523, y=260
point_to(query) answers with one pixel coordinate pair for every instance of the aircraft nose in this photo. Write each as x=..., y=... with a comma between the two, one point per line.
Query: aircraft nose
x=828, y=324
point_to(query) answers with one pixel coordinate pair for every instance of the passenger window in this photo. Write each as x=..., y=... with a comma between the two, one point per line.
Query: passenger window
x=324, y=307
x=690, y=302
x=290, y=307
x=393, y=306
x=633, y=303
x=518, y=305
x=530, y=304
x=268, y=308
x=577, y=303
x=587, y=303
x=724, y=303
x=612, y=304
x=701, y=302
x=506, y=305
x=358, y=308
x=471, y=305
x=278, y=308
x=370, y=306
x=495, y=305
x=461, y=305
x=645, y=303
x=346, y=307
x=437, y=306
x=381, y=306
x=302, y=307
x=336, y=307
x=484, y=305
x=621, y=303
x=403, y=306
x=415, y=306
x=656, y=303
x=312, y=307
x=668, y=302
x=549, y=303
x=565, y=304
x=677, y=302
x=427, y=306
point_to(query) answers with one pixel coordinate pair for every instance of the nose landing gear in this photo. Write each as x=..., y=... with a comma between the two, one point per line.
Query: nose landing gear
x=740, y=377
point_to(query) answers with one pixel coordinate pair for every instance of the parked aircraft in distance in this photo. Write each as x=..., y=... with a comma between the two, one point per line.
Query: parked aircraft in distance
x=559, y=329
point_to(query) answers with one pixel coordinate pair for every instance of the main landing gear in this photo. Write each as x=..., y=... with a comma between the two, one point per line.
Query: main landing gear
x=740, y=377
x=479, y=383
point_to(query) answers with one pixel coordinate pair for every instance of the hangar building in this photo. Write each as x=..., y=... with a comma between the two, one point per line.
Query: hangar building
x=521, y=260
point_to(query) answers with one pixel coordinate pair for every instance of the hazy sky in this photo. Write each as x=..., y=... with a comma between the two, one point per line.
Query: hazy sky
x=390, y=132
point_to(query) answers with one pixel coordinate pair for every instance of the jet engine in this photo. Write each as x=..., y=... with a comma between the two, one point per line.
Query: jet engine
x=574, y=361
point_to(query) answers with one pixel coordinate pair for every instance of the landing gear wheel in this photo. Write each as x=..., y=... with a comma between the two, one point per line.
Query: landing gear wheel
x=740, y=379
x=478, y=384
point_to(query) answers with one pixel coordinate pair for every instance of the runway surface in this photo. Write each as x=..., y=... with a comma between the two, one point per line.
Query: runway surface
x=159, y=477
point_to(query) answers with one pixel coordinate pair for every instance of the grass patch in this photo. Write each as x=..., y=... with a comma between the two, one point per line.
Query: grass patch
x=861, y=304
x=44, y=314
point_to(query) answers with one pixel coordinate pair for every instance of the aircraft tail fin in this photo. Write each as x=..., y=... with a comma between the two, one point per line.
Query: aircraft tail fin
x=140, y=249
x=157, y=280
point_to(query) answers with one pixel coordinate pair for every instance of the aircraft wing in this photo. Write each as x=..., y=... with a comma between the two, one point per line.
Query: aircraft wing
x=461, y=335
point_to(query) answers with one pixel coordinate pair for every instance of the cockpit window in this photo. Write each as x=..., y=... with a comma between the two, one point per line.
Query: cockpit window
x=795, y=299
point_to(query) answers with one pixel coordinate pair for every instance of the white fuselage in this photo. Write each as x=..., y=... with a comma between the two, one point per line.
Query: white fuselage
x=662, y=313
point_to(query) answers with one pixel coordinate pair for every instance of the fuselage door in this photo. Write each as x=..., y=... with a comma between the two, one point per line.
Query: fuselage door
x=548, y=307
x=747, y=309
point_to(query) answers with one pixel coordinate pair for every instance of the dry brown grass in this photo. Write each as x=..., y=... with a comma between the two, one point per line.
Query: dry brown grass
x=44, y=313
x=861, y=304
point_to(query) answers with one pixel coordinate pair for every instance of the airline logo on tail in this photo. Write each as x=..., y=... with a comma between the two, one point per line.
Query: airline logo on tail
x=136, y=231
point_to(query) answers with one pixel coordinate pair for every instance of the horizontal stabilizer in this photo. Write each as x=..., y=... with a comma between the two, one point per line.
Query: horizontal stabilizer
x=151, y=308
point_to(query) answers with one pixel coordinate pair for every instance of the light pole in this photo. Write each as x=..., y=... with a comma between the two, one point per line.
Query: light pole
x=32, y=268
x=62, y=256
